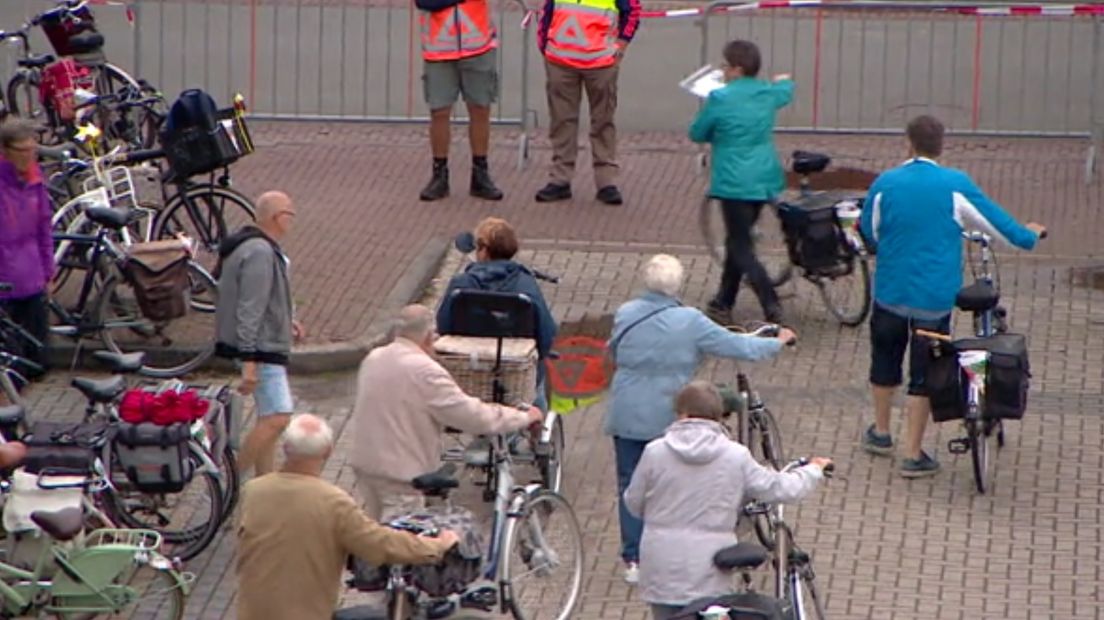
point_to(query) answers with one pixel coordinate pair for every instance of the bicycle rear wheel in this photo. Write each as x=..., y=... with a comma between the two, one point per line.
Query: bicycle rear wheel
x=847, y=296
x=206, y=213
x=542, y=559
x=811, y=604
x=188, y=520
x=985, y=437
x=154, y=594
x=173, y=348
x=712, y=227
x=228, y=467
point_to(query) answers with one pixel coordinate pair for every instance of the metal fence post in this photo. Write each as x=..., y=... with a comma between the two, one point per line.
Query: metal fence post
x=136, y=14
x=523, y=140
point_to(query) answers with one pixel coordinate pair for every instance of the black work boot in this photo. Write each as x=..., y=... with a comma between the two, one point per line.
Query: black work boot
x=554, y=192
x=481, y=184
x=438, y=186
x=610, y=195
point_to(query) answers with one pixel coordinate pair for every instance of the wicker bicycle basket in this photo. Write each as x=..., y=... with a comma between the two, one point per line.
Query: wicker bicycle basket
x=471, y=362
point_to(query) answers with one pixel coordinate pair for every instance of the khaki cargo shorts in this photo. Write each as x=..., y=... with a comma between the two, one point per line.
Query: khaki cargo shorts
x=476, y=78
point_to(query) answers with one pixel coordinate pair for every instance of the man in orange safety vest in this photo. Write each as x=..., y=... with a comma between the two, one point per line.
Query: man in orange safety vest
x=583, y=42
x=459, y=47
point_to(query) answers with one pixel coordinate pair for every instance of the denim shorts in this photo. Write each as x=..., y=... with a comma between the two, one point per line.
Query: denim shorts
x=890, y=336
x=273, y=393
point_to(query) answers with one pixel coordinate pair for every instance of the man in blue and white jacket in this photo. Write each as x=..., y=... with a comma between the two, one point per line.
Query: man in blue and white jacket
x=915, y=217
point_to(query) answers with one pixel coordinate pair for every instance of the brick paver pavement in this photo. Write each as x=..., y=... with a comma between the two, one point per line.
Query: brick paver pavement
x=883, y=547
x=360, y=221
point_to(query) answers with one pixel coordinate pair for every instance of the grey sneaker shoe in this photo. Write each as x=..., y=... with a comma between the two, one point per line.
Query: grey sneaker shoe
x=922, y=467
x=877, y=443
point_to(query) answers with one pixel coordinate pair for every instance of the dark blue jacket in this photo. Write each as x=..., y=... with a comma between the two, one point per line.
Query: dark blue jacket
x=504, y=276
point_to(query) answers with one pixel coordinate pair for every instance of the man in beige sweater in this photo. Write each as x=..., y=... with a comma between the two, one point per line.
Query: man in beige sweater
x=404, y=401
x=296, y=531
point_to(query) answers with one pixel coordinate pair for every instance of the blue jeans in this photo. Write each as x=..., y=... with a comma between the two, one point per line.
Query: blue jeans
x=627, y=453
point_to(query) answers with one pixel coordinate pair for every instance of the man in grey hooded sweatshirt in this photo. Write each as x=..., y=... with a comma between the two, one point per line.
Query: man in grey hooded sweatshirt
x=688, y=489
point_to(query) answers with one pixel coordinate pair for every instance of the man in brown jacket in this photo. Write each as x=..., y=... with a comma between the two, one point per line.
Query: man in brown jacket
x=296, y=531
x=404, y=401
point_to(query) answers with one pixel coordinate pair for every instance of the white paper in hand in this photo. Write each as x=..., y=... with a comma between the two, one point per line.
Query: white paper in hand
x=703, y=81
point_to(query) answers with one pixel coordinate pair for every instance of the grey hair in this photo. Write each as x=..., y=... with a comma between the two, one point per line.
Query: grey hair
x=414, y=322
x=17, y=130
x=663, y=273
x=308, y=436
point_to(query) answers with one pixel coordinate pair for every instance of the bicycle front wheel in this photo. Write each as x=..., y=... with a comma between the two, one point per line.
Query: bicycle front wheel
x=228, y=467
x=207, y=214
x=174, y=347
x=812, y=606
x=714, y=234
x=847, y=295
x=542, y=559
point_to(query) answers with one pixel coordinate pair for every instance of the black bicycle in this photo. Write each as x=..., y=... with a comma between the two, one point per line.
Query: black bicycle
x=107, y=305
x=823, y=245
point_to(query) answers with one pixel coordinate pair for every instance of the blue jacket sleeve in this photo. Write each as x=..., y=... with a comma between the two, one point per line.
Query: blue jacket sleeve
x=715, y=340
x=701, y=130
x=973, y=207
x=783, y=92
x=874, y=197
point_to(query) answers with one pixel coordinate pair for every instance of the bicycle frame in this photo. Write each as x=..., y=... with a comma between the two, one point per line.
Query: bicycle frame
x=82, y=324
x=985, y=320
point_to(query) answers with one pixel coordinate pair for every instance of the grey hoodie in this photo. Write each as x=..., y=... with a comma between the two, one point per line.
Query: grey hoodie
x=254, y=311
x=689, y=488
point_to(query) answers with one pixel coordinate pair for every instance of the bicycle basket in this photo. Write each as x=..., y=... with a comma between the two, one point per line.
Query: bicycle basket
x=119, y=185
x=61, y=25
x=198, y=138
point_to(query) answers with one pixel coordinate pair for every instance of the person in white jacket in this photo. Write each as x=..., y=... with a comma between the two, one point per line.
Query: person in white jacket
x=688, y=489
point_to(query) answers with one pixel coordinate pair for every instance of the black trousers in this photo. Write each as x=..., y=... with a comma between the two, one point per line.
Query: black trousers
x=32, y=315
x=740, y=260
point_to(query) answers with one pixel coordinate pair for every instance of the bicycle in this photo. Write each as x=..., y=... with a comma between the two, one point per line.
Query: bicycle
x=794, y=578
x=70, y=27
x=109, y=571
x=823, y=245
x=211, y=461
x=519, y=547
x=113, y=313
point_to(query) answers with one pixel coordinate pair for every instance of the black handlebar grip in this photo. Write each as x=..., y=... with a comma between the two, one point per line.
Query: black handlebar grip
x=829, y=470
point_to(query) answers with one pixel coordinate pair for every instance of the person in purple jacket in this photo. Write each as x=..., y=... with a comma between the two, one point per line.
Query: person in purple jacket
x=26, y=246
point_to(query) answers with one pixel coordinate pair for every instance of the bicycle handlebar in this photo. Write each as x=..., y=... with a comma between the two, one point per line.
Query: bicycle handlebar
x=829, y=469
x=7, y=359
x=765, y=330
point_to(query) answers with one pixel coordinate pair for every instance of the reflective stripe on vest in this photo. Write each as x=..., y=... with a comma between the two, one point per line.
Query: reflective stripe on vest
x=583, y=34
x=461, y=31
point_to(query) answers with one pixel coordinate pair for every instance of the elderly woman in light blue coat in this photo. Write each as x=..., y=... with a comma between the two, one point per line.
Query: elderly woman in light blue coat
x=657, y=344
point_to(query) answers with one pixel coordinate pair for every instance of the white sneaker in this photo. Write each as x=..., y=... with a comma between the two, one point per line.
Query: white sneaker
x=632, y=573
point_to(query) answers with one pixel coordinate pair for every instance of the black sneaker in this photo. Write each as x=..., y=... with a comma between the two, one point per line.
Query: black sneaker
x=877, y=443
x=610, y=195
x=774, y=315
x=721, y=315
x=922, y=467
x=482, y=186
x=554, y=192
x=438, y=186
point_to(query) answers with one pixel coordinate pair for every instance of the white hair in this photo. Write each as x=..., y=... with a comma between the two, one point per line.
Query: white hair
x=307, y=436
x=414, y=322
x=663, y=274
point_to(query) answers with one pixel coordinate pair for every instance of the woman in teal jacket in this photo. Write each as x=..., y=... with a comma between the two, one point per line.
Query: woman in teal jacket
x=738, y=121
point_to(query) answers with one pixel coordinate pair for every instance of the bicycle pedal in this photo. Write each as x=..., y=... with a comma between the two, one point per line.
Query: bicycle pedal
x=958, y=446
x=483, y=598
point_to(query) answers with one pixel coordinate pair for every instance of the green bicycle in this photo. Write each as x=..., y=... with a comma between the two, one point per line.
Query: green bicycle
x=83, y=576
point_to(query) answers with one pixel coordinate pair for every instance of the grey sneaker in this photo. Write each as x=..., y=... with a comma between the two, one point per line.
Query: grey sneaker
x=877, y=443
x=919, y=468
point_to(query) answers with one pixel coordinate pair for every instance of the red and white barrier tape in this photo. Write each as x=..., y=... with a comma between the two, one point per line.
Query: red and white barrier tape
x=1060, y=10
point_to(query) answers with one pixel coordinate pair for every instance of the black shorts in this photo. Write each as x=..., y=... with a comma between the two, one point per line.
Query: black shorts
x=890, y=336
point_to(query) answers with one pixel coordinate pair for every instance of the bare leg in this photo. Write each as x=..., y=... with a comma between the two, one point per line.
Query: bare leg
x=259, y=449
x=439, y=132
x=919, y=408
x=479, y=130
x=883, y=405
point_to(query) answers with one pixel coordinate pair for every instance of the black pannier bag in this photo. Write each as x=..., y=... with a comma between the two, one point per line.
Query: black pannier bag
x=196, y=140
x=63, y=448
x=814, y=238
x=155, y=458
x=945, y=383
x=1008, y=376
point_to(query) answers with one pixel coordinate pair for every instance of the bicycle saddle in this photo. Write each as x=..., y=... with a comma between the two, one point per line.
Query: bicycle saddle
x=62, y=525
x=977, y=297
x=115, y=219
x=86, y=42
x=806, y=162
x=11, y=415
x=122, y=363
x=740, y=555
x=100, y=390
x=36, y=62
x=58, y=152
x=437, y=482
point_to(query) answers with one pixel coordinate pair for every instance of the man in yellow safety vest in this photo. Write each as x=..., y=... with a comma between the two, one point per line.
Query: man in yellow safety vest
x=583, y=42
